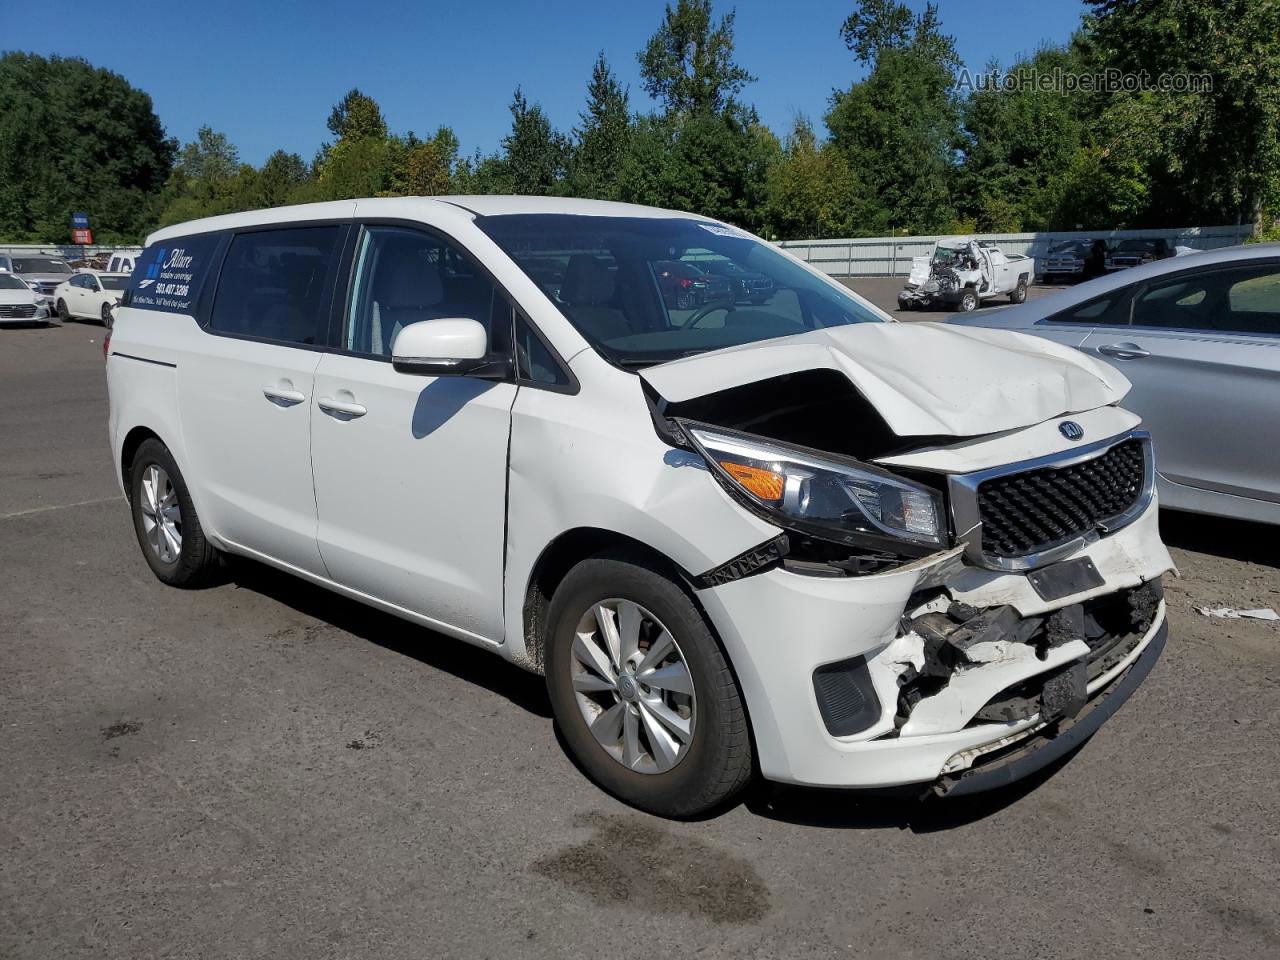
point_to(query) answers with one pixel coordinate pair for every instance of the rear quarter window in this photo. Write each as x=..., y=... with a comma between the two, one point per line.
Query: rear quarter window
x=171, y=274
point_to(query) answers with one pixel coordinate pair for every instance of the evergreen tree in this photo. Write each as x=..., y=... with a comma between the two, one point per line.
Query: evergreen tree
x=603, y=137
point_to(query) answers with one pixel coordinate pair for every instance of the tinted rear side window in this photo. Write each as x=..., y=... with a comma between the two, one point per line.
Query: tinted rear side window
x=275, y=284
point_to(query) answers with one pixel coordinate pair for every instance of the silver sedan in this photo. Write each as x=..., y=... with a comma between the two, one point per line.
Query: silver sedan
x=1199, y=338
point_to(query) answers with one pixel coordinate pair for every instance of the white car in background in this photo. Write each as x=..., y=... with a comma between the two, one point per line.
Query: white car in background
x=19, y=303
x=90, y=296
x=122, y=261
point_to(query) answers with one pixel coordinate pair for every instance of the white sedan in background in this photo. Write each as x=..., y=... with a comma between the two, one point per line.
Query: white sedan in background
x=90, y=296
x=19, y=303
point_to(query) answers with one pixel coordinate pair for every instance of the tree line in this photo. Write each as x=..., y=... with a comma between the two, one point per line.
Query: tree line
x=903, y=149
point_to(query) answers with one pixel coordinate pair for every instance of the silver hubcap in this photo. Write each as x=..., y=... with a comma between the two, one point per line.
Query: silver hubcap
x=161, y=515
x=632, y=686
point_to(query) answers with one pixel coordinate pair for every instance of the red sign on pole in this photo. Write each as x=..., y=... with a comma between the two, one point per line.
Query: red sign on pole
x=82, y=237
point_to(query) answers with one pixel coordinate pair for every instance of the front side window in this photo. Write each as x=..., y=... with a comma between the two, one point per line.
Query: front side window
x=535, y=363
x=645, y=290
x=403, y=276
x=1233, y=300
x=273, y=284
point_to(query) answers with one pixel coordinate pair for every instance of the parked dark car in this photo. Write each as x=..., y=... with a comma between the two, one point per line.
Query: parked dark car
x=1075, y=260
x=748, y=286
x=1134, y=252
x=685, y=285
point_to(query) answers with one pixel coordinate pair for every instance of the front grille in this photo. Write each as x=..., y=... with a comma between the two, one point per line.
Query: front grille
x=17, y=311
x=1025, y=513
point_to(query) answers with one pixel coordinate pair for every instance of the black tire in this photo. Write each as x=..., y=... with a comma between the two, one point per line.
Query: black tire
x=1019, y=294
x=197, y=557
x=108, y=318
x=968, y=302
x=720, y=758
x=63, y=313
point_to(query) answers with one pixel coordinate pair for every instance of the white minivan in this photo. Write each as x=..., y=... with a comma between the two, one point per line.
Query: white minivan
x=790, y=537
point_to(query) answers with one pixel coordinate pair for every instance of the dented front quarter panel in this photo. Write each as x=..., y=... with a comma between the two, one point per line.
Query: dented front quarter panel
x=594, y=461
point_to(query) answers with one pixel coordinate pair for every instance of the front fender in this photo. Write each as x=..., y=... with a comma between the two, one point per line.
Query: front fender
x=576, y=464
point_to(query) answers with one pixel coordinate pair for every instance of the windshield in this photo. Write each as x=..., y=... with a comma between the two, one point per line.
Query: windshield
x=1070, y=246
x=9, y=282
x=1136, y=246
x=640, y=288
x=113, y=283
x=40, y=265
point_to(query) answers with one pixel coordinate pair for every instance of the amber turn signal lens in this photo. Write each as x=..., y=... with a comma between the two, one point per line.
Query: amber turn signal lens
x=764, y=484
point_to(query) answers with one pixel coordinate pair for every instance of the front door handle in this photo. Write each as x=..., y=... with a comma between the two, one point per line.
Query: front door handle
x=1123, y=351
x=341, y=409
x=283, y=397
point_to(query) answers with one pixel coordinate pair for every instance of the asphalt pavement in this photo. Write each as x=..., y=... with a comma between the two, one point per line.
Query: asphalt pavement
x=261, y=769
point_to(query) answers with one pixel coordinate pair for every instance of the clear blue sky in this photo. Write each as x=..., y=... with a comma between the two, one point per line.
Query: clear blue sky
x=267, y=72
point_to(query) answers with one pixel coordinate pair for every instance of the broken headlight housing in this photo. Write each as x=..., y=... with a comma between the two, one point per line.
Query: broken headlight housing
x=824, y=495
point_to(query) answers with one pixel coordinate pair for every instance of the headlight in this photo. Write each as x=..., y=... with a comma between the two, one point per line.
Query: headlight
x=828, y=496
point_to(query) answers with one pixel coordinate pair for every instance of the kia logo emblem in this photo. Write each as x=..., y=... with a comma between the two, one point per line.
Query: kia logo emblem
x=1071, y=430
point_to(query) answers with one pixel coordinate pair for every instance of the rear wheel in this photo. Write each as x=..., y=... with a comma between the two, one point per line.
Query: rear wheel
x=1019, y=294
x=108, y=319
x=641, y=690
x=165, y=521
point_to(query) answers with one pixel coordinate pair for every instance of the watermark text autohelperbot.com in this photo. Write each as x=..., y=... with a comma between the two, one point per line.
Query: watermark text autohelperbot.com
x=1062, y=81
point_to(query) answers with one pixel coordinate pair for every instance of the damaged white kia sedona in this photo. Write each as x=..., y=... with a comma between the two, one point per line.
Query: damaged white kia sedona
x=739, y=518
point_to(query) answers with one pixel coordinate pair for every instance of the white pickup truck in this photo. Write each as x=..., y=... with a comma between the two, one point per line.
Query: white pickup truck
x=962, y=272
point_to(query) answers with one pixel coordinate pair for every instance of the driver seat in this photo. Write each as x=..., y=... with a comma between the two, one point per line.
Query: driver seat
x=588, y=291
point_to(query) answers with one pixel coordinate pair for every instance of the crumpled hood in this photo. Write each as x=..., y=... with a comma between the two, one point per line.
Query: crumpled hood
x=925, y=379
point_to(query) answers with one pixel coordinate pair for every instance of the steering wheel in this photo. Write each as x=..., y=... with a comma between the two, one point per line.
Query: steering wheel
x=706, y=310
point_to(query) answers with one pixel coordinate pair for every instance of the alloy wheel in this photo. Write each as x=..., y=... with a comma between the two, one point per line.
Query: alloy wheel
x=161, y=514
x=633, y=687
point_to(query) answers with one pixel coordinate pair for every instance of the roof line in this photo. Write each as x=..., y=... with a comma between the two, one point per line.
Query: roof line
x=453, y=203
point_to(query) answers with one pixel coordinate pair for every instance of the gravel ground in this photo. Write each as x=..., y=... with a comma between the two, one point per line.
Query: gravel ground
x=260, y=769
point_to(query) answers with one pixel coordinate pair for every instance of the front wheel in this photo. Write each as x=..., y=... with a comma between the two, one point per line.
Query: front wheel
x=968, y=302
x=165, y=521
x=63, y=313
x=642, y=692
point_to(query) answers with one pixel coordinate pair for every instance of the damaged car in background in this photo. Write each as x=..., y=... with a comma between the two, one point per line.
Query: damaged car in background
x=792, y=537
x=961, y=272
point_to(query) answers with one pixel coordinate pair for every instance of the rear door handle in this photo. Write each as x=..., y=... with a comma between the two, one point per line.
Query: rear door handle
x=341, y=408
x=285, y=398
x=1123, y=351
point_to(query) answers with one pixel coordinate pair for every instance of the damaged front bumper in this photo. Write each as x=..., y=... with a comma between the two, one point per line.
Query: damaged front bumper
x=941, y=672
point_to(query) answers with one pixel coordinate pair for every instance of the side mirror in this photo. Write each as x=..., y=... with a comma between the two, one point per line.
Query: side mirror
x=454, y=346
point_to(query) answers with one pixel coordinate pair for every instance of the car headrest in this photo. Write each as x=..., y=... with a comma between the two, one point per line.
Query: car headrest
x=405, y=278
x=587, y=281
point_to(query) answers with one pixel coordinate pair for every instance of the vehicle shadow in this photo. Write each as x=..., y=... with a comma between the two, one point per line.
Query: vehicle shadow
x=913, y=808
x=1220, y=536
x=462, y=660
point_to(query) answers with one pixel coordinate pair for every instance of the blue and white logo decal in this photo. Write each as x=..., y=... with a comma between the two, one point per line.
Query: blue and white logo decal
x=168, y=277
x=1071, y=430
